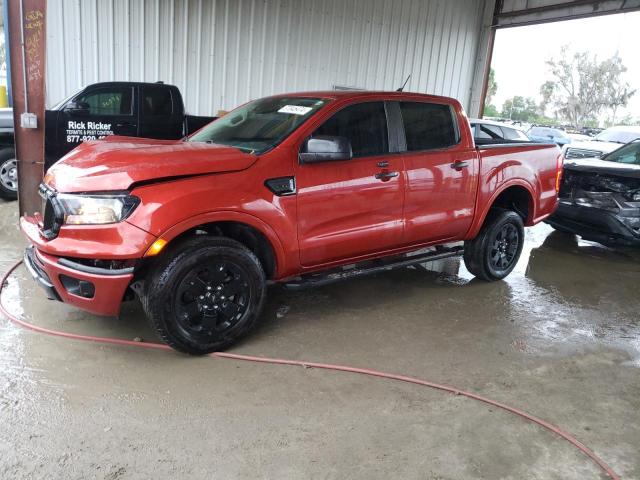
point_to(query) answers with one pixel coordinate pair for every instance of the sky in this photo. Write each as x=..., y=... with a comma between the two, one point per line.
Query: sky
x=520, y=53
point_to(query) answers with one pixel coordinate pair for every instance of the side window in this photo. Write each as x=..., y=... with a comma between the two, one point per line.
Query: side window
x=493, y=131
x=513, y=134
x=364, y=124
x=156, y=101
x=486, y=132
x=108, y=101
x=428, y=125
x=479, y=133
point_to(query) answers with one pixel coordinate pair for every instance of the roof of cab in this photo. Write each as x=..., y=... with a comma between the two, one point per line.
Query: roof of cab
x=341, y=94
x=128, y=84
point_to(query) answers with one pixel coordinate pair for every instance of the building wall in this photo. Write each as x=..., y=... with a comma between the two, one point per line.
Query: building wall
x=222, y=53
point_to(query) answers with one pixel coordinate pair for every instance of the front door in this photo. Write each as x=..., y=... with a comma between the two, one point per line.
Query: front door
x=351, y=208
x=95, y=113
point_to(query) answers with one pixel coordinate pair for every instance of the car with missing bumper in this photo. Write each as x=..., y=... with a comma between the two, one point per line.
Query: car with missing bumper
x=600, y=198
x=301, y=189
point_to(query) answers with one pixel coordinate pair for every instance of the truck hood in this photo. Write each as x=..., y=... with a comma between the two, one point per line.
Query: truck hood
x=595, y=145
x=116, y=163
x=603, y=167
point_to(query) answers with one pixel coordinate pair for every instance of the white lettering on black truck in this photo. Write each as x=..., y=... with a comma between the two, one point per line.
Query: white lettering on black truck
x=84, y=131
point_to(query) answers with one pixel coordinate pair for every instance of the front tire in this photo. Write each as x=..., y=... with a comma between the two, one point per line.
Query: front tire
x=206, y=294
x=493, y=254
x=8, y=174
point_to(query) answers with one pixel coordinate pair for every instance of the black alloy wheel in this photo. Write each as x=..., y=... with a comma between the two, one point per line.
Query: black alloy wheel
x=504, y=247
x=211, y=299
x=495, y=251
x=204, y=293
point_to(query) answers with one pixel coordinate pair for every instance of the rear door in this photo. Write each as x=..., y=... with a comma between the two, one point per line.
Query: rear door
x=442, y=174
x=95, y=113
x=161, y=112
x=353, y=207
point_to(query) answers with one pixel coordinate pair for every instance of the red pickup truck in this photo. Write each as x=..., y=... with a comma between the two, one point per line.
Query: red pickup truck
x=302, y=189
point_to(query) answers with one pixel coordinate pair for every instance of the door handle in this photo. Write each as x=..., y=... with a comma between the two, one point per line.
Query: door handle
x=386, y=175
x=124, y=124
x=383, y=164
x=459, y=165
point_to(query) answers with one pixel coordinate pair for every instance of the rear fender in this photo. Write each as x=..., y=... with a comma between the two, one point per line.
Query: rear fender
x=479, y=220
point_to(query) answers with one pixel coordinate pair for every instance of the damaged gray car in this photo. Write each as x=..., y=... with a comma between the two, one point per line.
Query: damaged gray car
x=600, y=198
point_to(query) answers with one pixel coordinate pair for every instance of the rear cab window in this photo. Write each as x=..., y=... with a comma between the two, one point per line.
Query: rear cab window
x=157, y=101
x=429, y=126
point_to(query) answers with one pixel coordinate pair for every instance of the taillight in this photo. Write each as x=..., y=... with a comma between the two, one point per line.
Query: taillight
x=559, y=165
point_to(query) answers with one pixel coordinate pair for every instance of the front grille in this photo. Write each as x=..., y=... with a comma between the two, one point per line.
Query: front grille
x=52, y=213
x=581, y=153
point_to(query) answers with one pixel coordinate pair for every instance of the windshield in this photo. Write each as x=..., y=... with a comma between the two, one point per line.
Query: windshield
x=260, y=125
x=617, y=136
x=62, y=103
x=629, y=154
x=545, y=131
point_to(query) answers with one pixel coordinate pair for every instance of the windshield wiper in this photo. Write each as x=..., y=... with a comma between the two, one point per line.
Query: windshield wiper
x=247, y=149
x=250, y=150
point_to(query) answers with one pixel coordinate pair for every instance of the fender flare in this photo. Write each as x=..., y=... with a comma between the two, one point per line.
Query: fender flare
x=230, y=216
x=477, y=224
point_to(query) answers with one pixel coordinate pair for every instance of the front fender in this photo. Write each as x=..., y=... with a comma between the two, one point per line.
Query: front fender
x=285, y=261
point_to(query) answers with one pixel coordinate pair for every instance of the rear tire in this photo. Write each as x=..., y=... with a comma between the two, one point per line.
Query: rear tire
x=493, y=254
x=8, y=174
x=205, y=294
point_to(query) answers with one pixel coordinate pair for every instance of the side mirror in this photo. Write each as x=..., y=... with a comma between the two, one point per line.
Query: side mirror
x=325, y=148
x=77, y=108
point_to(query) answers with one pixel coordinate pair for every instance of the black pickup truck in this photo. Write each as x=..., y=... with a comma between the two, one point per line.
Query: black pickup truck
x=135, y=109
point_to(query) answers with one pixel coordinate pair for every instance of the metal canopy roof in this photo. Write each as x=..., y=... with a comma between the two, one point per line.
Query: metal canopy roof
x=512, y=13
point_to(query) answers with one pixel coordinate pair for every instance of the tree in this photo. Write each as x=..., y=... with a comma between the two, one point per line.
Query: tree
x=520, y=108
x=546, y=92
x=582, y=87
x=492, y=87
x=617, y=92
x=490, y=111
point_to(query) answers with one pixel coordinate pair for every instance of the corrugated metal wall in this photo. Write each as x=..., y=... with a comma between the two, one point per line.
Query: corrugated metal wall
x=225, y=52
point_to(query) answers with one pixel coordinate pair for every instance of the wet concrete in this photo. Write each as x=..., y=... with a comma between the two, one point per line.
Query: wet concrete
x=559, y=338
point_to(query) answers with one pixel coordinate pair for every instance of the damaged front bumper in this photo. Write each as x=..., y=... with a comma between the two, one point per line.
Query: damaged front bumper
x=96, y=290
x=602, y=217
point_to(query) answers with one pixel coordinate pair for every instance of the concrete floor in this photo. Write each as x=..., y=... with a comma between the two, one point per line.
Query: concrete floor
x=560, y=338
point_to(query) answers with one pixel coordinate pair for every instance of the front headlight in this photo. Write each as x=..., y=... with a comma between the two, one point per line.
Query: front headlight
x=96, y=209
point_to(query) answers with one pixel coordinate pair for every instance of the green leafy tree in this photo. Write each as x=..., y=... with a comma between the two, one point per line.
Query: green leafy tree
x=491, y=111
x=520, y=108
x=492, y=88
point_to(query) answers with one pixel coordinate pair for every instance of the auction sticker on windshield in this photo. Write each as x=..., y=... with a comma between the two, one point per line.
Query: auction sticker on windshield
x=295, y=109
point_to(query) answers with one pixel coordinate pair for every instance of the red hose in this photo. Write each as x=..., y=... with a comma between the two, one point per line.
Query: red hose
x=327, y=366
